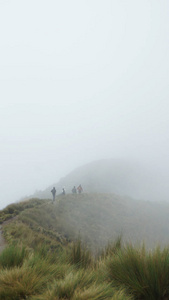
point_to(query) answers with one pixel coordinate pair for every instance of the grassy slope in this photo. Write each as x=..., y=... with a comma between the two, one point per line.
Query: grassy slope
x=102, y=217
x=49, y=268
x=22, y=223
x=41, y=264
x=98, y=218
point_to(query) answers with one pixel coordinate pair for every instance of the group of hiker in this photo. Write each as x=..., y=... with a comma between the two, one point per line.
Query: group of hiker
x=75, y=190
x=78, y=190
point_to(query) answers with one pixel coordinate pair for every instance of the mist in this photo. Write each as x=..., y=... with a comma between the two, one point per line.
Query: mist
x=81, y=81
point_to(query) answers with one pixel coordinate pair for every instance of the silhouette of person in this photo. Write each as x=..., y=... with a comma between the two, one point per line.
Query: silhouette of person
x=74, y=191
x=63, y=191
x=53, y=191
x=79, y=189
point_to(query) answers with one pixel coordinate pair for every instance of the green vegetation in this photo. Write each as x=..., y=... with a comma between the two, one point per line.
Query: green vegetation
x=13, y=210
x=42, y=261
x=52, y=275
x=80, y=256
x=97, y=218
x=12, y=256
x=144, y=274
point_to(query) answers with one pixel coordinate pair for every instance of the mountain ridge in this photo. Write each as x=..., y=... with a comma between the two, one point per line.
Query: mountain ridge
x=99, y=218
x=113, y=176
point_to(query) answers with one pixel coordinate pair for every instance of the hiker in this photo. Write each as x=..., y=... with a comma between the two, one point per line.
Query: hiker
x=53, y=191
x=74, y=191
x=79, y=189
x=63, y=191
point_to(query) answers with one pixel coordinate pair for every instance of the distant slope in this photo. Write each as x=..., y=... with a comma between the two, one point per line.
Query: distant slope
x=99, y=218
x=102, y=217
x=113, y=176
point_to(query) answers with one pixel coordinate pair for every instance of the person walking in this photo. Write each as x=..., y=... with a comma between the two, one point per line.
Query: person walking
x=63, y=191
x=79, y=189
x=53, y=191
x=74, y=191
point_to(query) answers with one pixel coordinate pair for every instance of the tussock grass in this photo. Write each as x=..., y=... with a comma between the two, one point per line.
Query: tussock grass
x=13, y=256
x=79, y=255
x=43, y=266
x=31, y=278
x=112, y=247
x=122, y=295
x=100, y=292
x=81, y=286
x=19, y=283
x=78, y=285
x=143, y=274
x=94, y=292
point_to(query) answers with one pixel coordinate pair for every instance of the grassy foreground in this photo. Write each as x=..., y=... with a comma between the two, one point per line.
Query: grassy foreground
x=65, y=274
x=40, y=263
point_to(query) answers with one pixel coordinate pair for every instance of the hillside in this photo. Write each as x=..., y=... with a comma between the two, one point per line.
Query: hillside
x=42, y=262
x=99, y=218
x=114, y=176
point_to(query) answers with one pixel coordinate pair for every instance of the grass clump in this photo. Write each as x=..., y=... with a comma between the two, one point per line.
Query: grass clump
x=79, y=285
x=13, y=256
x=43, y=266
x=79, y=255
x=19, y=283
x=143, y=274
x=112, y=247
x=99, y=292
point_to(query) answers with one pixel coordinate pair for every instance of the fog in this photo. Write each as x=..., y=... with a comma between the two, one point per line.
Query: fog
x=81, y=81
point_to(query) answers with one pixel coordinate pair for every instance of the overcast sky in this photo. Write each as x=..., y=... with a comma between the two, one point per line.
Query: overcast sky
x=80, y=81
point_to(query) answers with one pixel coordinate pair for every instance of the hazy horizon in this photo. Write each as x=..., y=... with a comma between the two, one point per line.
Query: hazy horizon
x=81, y=81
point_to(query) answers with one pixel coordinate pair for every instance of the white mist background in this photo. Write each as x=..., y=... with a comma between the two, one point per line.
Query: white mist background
x=80, y=81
